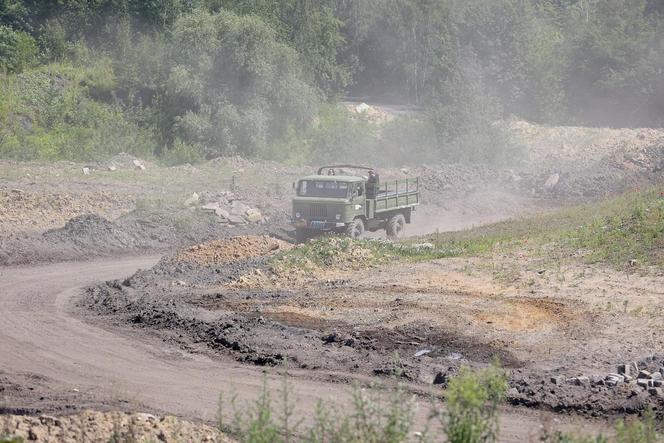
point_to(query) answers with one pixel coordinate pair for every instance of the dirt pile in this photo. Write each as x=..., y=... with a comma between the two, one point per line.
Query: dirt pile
x=32, y=210
x=90, y=426
x=92, y=232
x=91, y=235
x=231, y=249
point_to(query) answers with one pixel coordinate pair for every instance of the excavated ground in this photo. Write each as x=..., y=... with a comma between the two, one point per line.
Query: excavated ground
x=417, y=321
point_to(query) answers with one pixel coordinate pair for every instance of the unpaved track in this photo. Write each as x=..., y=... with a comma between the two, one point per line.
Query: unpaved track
x=40, y=335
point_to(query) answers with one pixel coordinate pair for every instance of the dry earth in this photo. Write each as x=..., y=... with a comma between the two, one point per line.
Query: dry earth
x=225, y=298
x=418, y=321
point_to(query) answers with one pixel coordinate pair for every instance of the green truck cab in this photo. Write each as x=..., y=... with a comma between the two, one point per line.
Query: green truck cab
x=334, y=200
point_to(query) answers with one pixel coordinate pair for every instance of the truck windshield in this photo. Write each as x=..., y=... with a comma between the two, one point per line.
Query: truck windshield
x=320, y=188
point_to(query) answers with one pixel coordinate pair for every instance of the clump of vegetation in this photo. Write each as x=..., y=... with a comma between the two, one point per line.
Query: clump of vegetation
x=469, y=414
x=626, y=431
x=616, y=231
x=472, y=402
x=341, y=252
x=372, y=416
x=630, y=228
x=207, y=78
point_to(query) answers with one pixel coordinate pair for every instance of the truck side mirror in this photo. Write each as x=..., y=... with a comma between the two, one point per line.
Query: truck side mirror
x=293, y=184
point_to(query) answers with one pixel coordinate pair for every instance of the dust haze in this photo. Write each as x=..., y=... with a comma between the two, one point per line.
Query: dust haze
x=153, y=256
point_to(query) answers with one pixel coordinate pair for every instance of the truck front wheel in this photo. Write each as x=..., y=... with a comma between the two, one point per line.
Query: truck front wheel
x=396, y=226
x=355, y=229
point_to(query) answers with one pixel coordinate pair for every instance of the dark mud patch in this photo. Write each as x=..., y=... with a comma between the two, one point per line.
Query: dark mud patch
x=188, y=304
x=438, y=343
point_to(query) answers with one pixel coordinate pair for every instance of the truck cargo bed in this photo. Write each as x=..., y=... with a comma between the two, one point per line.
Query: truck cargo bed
x=397, y=194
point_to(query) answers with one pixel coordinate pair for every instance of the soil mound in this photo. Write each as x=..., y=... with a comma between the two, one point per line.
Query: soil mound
x=231, y=249
x=92, y=232
x=101, y=427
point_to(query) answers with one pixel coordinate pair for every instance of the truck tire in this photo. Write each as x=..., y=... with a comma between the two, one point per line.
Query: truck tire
x=355, y=229
x=396, y=226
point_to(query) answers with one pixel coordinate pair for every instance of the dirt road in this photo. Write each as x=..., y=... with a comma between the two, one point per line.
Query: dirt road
x=39, y=335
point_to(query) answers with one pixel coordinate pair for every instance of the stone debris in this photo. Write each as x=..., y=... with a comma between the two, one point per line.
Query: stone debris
x=644, y=374
x=237, y=213
x=253, y=215
x=552, y=181
x=103, y=427
x=422, y=352
x=138, y=164
x=636, y=375
x=192, y=200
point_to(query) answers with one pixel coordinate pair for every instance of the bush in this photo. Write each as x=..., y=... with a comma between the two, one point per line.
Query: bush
x=181, y=153
x=18, y=50
x=371, y=418
x=342, y=137
x=473, y=399
x=48, y=114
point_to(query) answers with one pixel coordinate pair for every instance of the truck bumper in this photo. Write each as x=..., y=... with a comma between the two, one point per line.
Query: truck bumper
x=316, y=225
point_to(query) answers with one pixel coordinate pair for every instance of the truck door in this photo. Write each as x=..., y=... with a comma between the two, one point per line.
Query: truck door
x=357, y=200
x=367, y=209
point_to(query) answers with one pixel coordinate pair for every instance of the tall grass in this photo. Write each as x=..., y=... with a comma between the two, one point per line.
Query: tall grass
x=375, y=414
x=616, y=231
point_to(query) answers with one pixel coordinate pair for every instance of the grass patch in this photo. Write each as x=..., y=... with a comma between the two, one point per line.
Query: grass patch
x=340, y=252
x=615, y=231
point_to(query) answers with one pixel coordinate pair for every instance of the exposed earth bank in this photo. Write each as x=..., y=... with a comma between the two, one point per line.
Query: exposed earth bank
x=420, y=322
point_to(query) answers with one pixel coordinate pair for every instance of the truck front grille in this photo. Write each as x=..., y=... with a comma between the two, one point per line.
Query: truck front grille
x=317, y=211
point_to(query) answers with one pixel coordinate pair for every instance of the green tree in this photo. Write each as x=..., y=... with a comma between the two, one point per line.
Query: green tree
x=231, y=86
x=18, y=50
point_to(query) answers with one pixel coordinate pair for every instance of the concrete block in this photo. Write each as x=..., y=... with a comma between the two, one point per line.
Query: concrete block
x=619, y=378
x=644, y=374
x=656, y=392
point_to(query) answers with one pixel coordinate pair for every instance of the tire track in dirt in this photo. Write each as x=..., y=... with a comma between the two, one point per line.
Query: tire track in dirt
x=40, y=335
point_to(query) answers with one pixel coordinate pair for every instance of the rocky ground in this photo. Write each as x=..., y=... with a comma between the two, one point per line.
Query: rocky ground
x=141, y=206
x=103, y=427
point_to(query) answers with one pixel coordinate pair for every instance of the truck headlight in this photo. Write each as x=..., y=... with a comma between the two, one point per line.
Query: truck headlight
x=298, y=215
x=338, y=216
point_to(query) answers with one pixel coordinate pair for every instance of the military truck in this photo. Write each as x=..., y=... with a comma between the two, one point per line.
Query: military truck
x=336, y=200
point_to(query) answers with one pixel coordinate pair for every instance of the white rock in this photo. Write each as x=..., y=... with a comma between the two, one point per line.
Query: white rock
x=552, y=181
x=253, y=215
x=138, y=164
x=192, y=200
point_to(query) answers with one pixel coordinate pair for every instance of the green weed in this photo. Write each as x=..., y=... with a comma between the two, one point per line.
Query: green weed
x=472, y=400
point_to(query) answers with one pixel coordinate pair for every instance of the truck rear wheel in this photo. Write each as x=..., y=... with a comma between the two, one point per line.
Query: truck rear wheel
x=396, y=226
x=355, y=229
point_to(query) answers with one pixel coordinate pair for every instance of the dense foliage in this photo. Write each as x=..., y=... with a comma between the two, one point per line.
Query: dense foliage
x=189, y=79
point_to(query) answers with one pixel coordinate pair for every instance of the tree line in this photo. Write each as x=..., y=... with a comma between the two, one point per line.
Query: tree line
x=188, y=79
